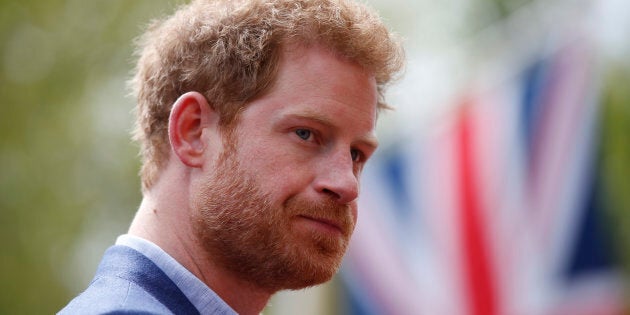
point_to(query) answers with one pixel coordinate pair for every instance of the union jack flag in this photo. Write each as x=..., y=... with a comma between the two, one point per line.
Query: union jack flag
x=497, y=210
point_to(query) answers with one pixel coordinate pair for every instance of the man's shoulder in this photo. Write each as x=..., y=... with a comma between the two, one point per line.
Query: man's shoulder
x=114, y=295
x=127, y=282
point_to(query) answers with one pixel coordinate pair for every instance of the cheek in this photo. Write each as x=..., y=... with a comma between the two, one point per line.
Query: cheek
x=281, y=167
x=286, y=181
x=279, y=173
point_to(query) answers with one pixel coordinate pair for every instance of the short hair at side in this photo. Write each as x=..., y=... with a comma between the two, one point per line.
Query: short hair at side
x=228, y=50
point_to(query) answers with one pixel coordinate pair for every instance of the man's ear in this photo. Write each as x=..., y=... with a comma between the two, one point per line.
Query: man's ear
x=190, y=115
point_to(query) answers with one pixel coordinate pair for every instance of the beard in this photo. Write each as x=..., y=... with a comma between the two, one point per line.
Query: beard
x=244, y=233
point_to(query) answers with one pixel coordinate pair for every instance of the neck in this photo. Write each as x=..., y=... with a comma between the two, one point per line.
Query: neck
x=164, y=219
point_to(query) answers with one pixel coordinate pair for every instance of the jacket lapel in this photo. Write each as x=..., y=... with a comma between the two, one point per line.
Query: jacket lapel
x=127, y=263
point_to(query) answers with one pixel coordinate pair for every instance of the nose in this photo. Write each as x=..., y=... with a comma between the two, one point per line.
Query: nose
x=337, y=179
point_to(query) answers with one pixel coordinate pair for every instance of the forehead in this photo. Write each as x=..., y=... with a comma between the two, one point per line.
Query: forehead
x=313, y=81
x=315, y=73
x=314, y=61
x=314, y=86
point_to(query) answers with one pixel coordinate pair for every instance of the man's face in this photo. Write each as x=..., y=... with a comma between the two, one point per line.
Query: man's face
x=278, y=206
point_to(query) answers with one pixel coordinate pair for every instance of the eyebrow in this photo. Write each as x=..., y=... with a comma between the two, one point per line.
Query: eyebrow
x=367, y=140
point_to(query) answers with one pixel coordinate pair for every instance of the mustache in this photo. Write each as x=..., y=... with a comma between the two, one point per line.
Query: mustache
x=327, y=210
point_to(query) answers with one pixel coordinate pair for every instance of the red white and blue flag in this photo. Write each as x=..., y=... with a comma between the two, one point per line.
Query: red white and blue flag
x=497, y=210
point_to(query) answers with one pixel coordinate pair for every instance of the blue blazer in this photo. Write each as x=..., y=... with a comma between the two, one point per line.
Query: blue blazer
x=127, y=282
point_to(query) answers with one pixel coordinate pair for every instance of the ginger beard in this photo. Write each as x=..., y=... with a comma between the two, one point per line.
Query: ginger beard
x=246, y=234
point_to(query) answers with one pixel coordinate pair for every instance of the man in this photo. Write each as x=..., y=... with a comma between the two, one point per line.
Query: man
x=255, y=119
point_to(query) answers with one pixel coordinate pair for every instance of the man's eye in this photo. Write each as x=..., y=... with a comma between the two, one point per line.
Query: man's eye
x=305, y=134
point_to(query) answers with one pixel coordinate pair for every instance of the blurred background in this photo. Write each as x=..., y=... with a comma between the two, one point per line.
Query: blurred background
x=501, y=186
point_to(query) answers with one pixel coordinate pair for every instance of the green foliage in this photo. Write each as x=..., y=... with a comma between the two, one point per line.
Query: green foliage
x=616, y=157
x=68, y=179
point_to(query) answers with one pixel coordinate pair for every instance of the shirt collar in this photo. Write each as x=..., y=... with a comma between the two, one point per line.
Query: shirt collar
x=200, y=295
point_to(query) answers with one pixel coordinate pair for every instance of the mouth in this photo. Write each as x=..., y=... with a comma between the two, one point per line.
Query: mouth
x=324, y=224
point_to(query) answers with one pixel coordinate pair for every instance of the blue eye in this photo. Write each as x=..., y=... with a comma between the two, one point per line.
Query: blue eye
x=303, y=133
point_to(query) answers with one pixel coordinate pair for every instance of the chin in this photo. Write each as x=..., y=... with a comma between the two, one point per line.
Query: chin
x=315, y=265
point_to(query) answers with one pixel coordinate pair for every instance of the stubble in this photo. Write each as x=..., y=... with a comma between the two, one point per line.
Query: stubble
x=245, y=233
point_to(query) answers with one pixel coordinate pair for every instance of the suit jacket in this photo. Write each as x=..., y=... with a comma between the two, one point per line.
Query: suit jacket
x=127, y=282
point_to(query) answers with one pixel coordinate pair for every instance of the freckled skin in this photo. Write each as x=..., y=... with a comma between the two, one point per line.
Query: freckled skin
x=314, y=84
x=293, y=178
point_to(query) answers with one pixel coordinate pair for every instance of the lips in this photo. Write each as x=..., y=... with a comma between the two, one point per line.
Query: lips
x=331, y=224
